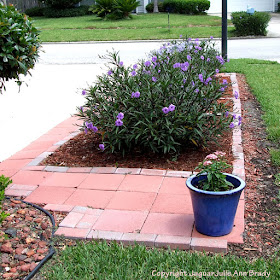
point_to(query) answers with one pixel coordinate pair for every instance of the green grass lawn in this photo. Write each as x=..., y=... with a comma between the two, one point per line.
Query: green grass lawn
x=101, y=261
x=141, y=27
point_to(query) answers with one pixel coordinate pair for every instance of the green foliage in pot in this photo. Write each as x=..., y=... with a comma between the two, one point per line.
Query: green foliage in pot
x=19, y=45
x=4, y=182
x=213, y=166
x=246, y=24
x=161, y=104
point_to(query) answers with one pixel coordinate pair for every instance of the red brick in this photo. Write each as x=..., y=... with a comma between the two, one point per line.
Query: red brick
x=172, y=203
x=121, y=221
x=141, y=183
x=209, y=245
x=71, y=220
x=153, y=172
x=140, y=238
x=173, y=242
x=75, y=233
x=169, y=224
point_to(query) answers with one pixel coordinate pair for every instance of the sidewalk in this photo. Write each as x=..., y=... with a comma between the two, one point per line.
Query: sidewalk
x=127, y=205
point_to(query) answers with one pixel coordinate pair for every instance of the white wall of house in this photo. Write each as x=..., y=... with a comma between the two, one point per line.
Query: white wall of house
x=241, y=5
x=142, y=7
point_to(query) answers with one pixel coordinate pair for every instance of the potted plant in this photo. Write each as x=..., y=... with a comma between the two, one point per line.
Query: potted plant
x=215, y=196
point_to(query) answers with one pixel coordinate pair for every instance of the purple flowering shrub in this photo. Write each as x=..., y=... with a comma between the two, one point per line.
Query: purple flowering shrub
x=161, y=104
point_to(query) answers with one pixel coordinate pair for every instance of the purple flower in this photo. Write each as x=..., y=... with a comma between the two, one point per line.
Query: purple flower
x=200, y=77
x=181, y=36
x=193, y=83
x=135, y=94
x=184, y=81
x=185, y=66
x=147, y=63
x=226, y=114
x=89, y=125
x=234, y=116
x=109, y=72
x=171, y=107
x=236, y=94
x=82, y=108
x=189, y=57
x=208, y=59
x=177, y=65
x=217, y=70
x=231, y=125
x=121, y=63
x=239, y=120
x=225, y=82
x=86, y=131
x=135, y=66
x=211, y=37
x=222, y=89
x=84, y=92
x=94, y=128
x=154, y=79
x=101, y=147
x=208, y=80
x=159, y=71
x=165, y=110
x=120, y=115
x=195, y=51
x=154, y=59
x=197, y=90
x=118, y=122
x=220, y=59
x=133, y=73
x=202, y=57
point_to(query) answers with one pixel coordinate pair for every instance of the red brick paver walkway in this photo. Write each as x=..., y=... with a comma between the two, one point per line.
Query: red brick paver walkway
x=147, y=206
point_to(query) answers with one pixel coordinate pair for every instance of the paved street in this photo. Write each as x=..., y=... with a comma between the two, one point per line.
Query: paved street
x=87, y=53
x=54, y=90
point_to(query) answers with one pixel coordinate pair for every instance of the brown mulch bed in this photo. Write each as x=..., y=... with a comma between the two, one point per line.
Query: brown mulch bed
x=262, y=203
x=20, y=254
x=83, y=151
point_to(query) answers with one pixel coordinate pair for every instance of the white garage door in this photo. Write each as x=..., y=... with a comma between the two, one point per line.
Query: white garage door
x=241, y=5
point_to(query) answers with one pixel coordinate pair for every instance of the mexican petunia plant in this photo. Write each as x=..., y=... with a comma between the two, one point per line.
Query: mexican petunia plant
x=160, y=104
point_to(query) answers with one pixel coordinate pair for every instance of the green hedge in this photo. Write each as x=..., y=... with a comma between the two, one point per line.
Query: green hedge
x=192, y=7
x=246, y=24
x=35, y=11
x=60, y=4
x=150, y=7
x=70, y=12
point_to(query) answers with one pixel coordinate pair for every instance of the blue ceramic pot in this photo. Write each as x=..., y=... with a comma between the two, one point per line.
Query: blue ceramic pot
x=214, y=212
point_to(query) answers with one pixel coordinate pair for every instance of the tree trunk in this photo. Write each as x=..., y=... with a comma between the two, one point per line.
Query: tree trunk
x=155, y=6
